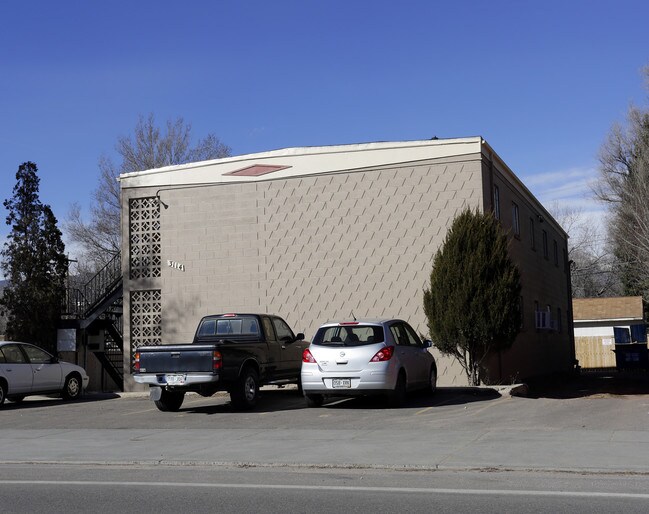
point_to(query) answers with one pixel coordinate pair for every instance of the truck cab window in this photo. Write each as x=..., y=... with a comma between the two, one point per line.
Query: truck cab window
x=283, y=330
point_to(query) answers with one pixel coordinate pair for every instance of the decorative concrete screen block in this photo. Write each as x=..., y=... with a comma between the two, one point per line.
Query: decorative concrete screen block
x=146, y=318
x=144, y=237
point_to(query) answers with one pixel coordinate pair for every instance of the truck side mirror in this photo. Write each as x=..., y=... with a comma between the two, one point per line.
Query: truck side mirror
x=299, y=337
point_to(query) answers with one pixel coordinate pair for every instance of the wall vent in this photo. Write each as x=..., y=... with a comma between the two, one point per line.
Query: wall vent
x=256, y=170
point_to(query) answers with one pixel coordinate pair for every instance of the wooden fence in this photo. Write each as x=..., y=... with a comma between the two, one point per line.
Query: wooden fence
x=592, y=353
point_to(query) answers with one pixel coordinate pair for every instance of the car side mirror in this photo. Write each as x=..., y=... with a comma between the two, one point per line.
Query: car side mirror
x=299, y=337
x=428, y=343
x=54, y=360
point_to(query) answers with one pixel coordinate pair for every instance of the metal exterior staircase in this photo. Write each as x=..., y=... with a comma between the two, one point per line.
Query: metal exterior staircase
x=97, y=308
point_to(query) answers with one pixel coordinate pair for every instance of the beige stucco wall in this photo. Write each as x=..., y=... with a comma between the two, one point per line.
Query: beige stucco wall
x=323, y=247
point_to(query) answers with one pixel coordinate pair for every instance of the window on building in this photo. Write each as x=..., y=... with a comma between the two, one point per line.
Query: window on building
x=532, y=238
x=515, y=220
x=497, y=202
x=545, y=244
x=555, y=252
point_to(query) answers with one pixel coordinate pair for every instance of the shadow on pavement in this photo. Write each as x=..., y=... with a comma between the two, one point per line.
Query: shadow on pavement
x=418, y=400
x=271, y=400
x=592, y=383
x=276, y=400
x=33, y=402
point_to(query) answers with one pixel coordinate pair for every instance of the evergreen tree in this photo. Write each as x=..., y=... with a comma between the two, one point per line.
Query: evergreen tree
x=34, y=263
x=473, y=304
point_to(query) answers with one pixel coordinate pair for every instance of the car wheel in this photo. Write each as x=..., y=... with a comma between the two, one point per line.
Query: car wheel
x=170, y=401
x=432, y=381
x=72, y=387
x=245, y=393
x=397, y=397
x=3, y=392
x=314, y=400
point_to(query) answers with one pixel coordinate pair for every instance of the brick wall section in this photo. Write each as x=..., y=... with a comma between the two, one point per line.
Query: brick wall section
x=310, y=249
x=543, y=281
x=622, y=307
x=320, y=247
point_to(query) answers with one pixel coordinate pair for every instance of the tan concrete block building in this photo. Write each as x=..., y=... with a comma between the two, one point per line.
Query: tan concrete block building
x=319, y=233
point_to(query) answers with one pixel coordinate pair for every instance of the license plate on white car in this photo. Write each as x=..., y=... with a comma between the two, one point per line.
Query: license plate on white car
x=341, y=383
x=175, y=380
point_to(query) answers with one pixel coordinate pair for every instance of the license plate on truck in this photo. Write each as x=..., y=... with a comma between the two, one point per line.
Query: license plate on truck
x=175, y=380
x=341, y=383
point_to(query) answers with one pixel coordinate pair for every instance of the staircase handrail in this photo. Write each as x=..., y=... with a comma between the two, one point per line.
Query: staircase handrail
x=103, y=282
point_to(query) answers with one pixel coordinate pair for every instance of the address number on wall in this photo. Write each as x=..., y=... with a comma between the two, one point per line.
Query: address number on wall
x=176, y=265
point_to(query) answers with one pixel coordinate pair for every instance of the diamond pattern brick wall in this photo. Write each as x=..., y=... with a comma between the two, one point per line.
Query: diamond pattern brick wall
x=309, y=249
x=359, y=243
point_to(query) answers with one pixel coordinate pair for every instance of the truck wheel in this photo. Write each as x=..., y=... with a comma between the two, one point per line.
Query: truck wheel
x=170, y=401
x=245, y=393
x=72, y=387
x=314, y=400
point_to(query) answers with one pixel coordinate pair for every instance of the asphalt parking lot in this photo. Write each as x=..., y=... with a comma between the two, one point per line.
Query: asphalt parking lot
x=591, y=424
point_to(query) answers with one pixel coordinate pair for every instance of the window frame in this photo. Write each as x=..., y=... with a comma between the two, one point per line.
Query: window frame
x=532, y=234
x=546, y=251
x=496, y=201
x=516, y=222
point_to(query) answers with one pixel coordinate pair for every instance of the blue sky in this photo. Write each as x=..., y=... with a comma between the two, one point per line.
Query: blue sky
x=542, y=82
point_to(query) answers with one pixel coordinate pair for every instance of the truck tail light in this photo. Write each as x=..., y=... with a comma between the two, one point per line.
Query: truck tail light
x=307, y=356
x=384, y=354
x=217, y=362
x=136, y=364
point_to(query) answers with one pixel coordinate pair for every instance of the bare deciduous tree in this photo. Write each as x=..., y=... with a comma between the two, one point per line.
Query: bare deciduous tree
x=624, y=186
x=148, y=148
x=592, y=265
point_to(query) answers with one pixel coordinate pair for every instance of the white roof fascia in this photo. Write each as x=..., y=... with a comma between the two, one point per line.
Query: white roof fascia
x=302, y=161
x=607, y=320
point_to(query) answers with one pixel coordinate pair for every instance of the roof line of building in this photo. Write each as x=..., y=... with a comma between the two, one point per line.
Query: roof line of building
x=307, y=150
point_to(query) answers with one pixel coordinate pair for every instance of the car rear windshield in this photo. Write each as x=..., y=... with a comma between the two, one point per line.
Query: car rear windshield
x=242, y=326
x=349, y=335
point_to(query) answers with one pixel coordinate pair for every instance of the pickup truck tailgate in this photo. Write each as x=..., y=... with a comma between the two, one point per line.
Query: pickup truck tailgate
x=181, y=358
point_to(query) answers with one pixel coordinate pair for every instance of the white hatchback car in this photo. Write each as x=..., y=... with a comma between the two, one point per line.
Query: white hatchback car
x=27, y=370
x=367, y=357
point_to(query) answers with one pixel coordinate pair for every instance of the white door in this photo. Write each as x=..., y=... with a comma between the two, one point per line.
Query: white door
x=47, y=374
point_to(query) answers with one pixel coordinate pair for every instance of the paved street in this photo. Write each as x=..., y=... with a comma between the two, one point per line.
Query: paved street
x=581, y=446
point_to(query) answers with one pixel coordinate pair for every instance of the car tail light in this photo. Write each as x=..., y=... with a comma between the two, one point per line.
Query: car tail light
x=136, y=364
x=307, y=356
x=217, y=361
x=384, y=354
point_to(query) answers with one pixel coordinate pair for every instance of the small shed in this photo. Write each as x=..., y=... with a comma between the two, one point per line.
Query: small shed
x=596, y=322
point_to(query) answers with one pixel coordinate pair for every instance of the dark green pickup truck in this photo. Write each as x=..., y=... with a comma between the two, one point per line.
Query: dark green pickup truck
x=237, y=353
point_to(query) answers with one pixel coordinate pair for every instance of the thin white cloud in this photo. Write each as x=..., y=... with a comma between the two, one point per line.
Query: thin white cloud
x=571, y=188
